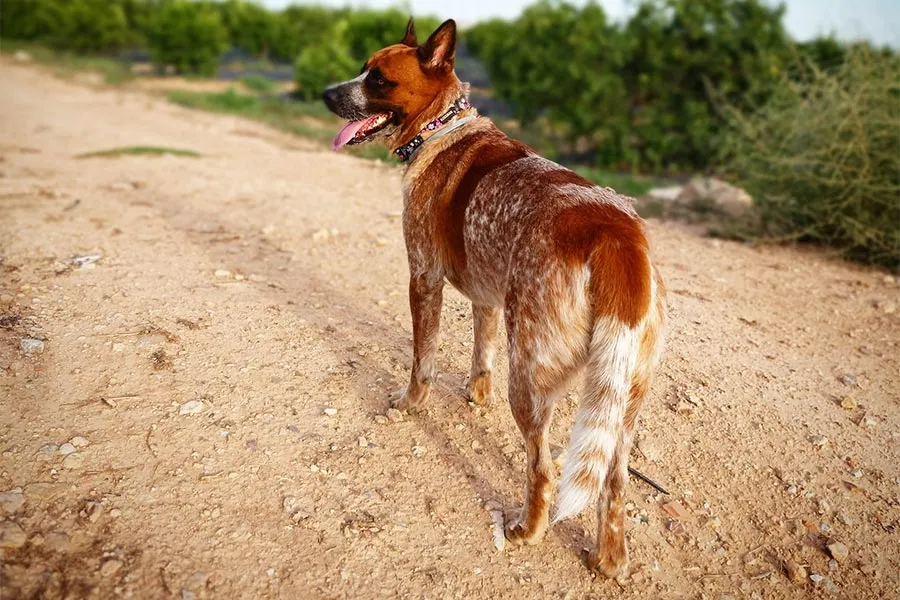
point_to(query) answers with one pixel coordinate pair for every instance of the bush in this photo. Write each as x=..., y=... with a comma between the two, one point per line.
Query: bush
x=301, y=27
x=250, y=26
x=321, y=65
x=77, y=25
x=821, y=157
x=190, y=36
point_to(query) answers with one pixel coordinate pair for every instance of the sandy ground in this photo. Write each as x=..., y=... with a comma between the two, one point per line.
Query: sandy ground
x=241, y=294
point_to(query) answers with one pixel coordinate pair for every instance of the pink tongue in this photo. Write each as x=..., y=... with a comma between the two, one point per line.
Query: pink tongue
x=347, y=132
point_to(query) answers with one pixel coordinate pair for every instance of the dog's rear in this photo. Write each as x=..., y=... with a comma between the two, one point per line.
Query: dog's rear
x=566, y=261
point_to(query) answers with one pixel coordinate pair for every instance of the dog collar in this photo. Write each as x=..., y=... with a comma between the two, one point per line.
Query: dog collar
x=408, y=150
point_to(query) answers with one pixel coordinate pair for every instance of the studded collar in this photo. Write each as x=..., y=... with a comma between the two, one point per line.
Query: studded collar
x=408, y=150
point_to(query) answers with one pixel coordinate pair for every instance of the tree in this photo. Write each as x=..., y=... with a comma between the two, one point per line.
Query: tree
x=187, y=35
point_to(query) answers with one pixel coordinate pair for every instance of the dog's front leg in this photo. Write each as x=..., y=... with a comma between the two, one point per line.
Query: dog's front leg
x=426, y=295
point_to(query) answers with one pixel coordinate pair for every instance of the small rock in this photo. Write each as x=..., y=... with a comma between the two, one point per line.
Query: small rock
x=868, y=421
x=381, y=420
x=795, y=573
x=394, y=415
x=848, y=379
x=477, y=447
x=11, y=536
x=31, y=346
x=79, y=442
x=675, y=510
x=848, y=403
x=222, y=273
x=418, y=451
x=838, y=551
x=47, y=450
x=497, y=524
x=684, y=408
x=889, y=308
x=856, y=473
x=73, y=461
x=330, y=411
x=817, y=440
x=67, y=449
x=321, y=235
x=191, y=407
x=816, y=578
x=845, y=519
x=12, y=500
x=110, y=567
x=362, y=441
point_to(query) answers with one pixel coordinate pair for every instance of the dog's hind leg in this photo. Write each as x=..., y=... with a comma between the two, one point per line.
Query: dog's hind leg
x=487, y=321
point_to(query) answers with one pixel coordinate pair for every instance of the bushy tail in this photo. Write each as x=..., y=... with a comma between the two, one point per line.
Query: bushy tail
x=598, y=426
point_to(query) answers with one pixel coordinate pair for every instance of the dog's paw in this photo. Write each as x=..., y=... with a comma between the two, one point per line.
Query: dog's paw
x=612, y=564
x=411, y=399
x=516, y=531
x=480, y=390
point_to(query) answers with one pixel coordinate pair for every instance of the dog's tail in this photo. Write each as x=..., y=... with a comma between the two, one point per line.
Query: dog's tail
x=613, y=355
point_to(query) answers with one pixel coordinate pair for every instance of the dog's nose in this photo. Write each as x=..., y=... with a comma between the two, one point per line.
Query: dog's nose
x=329, y=96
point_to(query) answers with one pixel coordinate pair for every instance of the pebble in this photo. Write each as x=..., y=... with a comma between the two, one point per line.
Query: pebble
x=684, y=408
x=79, y=442
x=848, y=403
x=817, y=440
x=795, y=573
x=844, y=519
x=824, y=507
x=56, y=541
x=363, y=442
x=12, y=500
x=394, y=415
x=191, y=407
x=381, y=420
x=110, y=567
x=848, y=379
x=222, y=273
x=675, y=510
x=418, y=451
x=839, y=551
x=31, y=346
x=11, y=536
x=67, y=449
x=330, y=411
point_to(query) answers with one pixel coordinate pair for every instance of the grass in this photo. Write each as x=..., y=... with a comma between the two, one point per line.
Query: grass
x=306, y=119
x=66, y=64
x=630, y=185
x=139, y=151
x=258, y=83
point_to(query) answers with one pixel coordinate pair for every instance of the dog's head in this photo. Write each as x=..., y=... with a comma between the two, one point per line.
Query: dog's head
x=400, y=89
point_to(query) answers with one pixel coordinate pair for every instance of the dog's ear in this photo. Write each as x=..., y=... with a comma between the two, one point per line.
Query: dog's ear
x=410, y=38
x=440, y=49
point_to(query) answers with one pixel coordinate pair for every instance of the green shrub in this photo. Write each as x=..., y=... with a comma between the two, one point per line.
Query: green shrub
x=323, y=64
x=189, y=36
x=258, y=83
x=821, y=157
x=77, y=25
x=250, y=26
x=301, y=27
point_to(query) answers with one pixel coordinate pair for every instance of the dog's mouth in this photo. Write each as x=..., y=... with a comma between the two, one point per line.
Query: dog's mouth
x=357, y=132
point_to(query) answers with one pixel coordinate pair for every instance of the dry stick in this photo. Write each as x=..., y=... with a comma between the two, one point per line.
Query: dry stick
x=647, y=480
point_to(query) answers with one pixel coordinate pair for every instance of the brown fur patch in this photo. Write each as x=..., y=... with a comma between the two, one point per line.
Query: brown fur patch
x=614, y=244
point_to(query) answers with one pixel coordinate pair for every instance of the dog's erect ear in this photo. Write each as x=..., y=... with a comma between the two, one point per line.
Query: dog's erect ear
x=440, y=49
x=410, y=38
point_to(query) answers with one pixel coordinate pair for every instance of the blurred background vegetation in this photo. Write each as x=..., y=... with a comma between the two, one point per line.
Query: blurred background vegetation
x=683, y=87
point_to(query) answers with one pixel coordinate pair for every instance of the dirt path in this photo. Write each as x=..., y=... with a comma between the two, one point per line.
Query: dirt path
x=266, y=280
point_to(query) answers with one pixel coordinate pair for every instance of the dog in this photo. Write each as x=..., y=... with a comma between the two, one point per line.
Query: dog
x=566, y=261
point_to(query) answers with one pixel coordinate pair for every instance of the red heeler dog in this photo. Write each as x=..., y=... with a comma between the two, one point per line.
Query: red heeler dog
x=566, y=261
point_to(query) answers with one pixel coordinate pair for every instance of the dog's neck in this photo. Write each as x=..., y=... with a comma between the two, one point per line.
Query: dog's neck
x=425, y=124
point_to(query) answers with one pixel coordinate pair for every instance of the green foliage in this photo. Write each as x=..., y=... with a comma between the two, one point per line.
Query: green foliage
x=250, y=26
x=139, y=151
x=258, y=83
x=76, y=25
x=188, y=35
x=320, y=65
x=821, y=157
x=638, y=93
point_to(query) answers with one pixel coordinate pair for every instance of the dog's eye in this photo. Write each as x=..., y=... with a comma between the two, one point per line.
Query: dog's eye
x=379, y=80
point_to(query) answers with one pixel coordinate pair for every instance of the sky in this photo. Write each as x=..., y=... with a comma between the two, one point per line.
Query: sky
x=876, y=20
